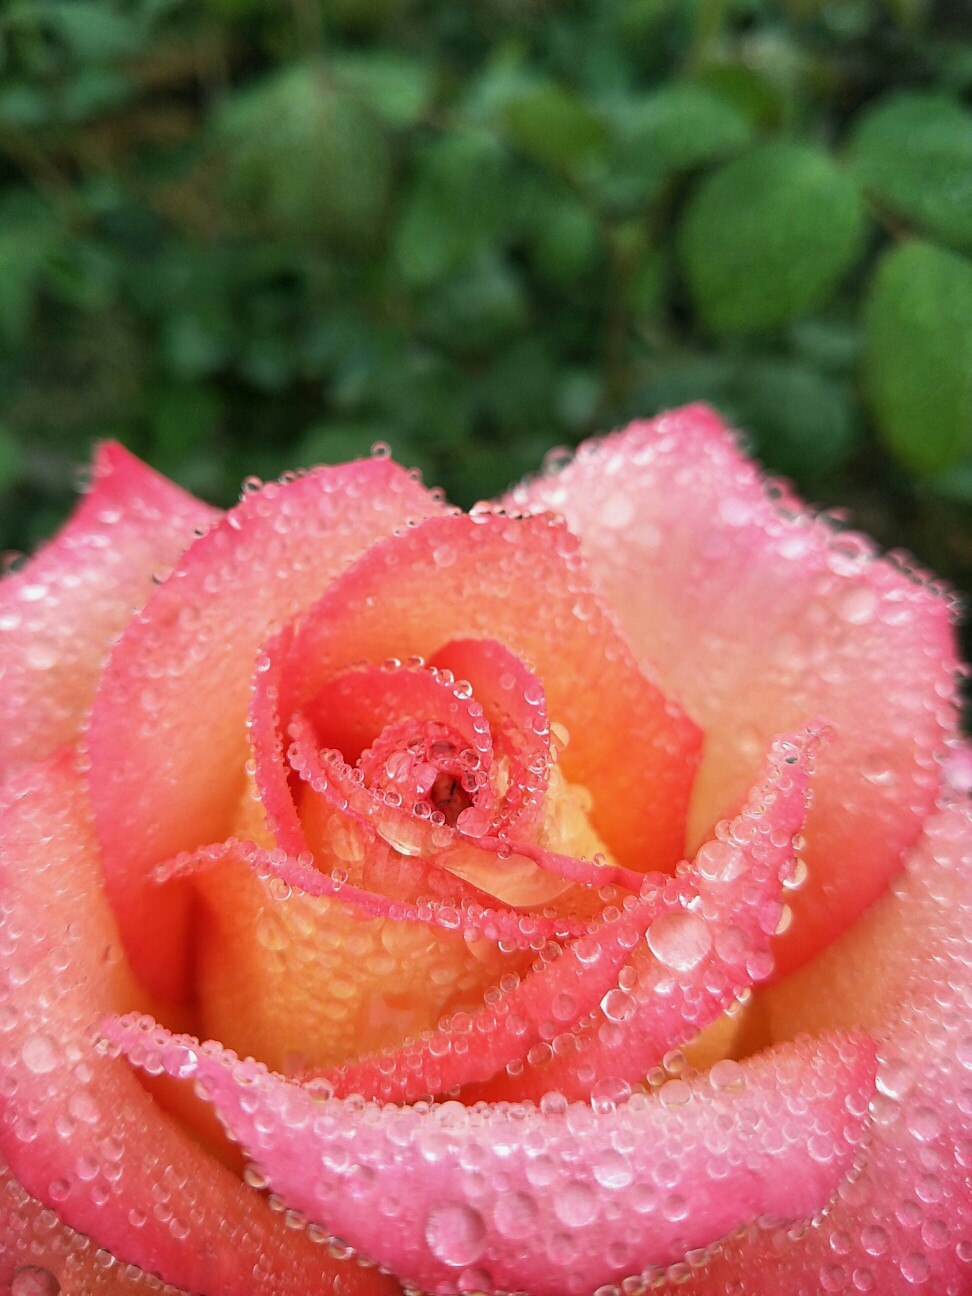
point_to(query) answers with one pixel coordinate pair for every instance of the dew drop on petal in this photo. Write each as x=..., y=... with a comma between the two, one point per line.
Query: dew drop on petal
x=515, y=1215
x=679, y=940
x=32, y=1280
x=576, y=1204
x=456, y=1234
x=40, y=1054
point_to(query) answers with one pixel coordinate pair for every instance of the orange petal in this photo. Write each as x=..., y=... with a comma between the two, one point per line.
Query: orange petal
x=167, y=738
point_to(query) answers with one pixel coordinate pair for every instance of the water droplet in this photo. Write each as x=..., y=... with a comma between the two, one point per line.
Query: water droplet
x=515, y=1215
x=679, y=940
x=576, y=1205
x=858, y=605
x=473, y=822
x=617, y=511
x=456, y=1234
x=32, y=1280
x=40, y=1054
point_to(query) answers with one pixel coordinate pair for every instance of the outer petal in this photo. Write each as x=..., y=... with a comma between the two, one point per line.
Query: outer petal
x=454, y=1199
x=759, y=617
x=60, y=612
x=76, y=1129
x=904, y=972
x=167, y=738
x=40, y=1256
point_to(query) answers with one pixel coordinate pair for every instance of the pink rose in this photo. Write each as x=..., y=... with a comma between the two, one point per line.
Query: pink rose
x=393, y=800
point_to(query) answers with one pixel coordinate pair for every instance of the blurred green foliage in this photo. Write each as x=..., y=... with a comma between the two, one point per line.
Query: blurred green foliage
x=245, y=235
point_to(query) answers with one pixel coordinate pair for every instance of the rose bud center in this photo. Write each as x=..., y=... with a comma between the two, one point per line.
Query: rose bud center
x=426, y=767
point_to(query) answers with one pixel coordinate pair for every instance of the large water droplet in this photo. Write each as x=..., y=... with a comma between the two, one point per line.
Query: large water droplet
x=456, y=1234
x=32, y=1280
x=679, y=940
x=40, y=1054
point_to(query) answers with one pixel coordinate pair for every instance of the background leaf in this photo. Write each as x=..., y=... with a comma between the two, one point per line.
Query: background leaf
x=913, y=153
x=918, y=358
x=769, y=236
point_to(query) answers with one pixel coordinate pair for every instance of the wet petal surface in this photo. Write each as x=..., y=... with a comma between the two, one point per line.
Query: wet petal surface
x=759, y=617
x=904, y=973
x=643, y=980
x=167, y=738
x=548, y=1202
x=76, y=1128
x=60, y=612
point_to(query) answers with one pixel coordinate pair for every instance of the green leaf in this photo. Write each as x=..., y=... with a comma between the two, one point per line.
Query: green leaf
x=196, y=344
x=477, y=307
x=24, y=105
x=456, y=206
x=645, y=286
x=918, y=355
x=913, y=153
x=92, y=30
x=11, y=459
x=565, y=242
x=93, y=91
x=954, y=483
x=305, y=159
x=769, y=236
x=29, y=240
x=663, y=134
x=554, y=127
x=396, y=87
x=749, y=92
x=827, y=343
x=517, y=387
x=182, y=416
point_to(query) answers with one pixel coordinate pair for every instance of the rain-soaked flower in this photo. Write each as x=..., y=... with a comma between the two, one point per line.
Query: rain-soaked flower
x=570, y=897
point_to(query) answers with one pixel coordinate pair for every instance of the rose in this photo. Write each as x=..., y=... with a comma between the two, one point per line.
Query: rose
x=534, y=743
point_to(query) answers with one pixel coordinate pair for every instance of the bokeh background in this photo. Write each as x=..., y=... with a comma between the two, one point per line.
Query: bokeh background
x=249, y=235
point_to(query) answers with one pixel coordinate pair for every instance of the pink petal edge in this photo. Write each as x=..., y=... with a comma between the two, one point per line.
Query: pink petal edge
x=166, y=740
x=756, y=614
x=547, y=1202
x=76, y=1128
x=60, y=612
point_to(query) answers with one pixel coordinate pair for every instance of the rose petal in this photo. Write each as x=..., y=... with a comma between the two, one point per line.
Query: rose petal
x=304, y=969
x=904, y=971
x=306, y=981
x=478, y=862
x=515, y=706
x=61, y=610
x=76, y=1128
x=520, y=581
x=547, y=1202
x=757, y=615
x=570, y=1020
x=698, y=958
x=555, y=993
x=520, y=930
x=39, y=1256
x=166, y=739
